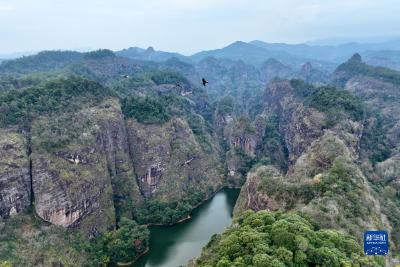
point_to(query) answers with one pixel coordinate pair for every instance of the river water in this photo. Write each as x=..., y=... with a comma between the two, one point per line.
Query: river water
x=174, y=246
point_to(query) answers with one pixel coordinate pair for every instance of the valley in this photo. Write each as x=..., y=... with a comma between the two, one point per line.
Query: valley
x=103, y=153
x=176, y=245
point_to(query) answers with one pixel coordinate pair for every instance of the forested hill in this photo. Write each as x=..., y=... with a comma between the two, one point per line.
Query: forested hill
x=96, y=146
x=341, y=153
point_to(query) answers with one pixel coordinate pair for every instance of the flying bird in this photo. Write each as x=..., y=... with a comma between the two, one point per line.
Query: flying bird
x=204, y=81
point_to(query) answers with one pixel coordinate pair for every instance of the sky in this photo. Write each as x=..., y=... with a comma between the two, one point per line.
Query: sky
x=188, y=26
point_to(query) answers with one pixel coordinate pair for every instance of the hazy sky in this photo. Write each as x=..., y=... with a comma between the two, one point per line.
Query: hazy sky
x=187, y=26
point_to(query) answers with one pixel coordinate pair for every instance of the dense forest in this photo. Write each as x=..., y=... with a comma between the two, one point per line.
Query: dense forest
x=277, y=239
x=96, y=147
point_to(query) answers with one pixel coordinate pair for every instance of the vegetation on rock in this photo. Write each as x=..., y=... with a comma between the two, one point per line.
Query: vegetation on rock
x=146, y=110
x=18, y=107
x=263, y=239
x=167, y=213
x=123, y=245
x=355, y=66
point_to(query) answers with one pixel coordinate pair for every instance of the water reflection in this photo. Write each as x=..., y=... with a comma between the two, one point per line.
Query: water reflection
x=174, y=246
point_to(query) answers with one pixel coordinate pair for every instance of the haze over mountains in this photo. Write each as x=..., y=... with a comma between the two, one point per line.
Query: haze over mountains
x=102, y=149
x=96, y=146
x=385, y=53
x=257, y=52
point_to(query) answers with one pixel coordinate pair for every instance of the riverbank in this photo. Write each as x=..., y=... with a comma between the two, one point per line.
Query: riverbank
x=185, y=219
x=132, y=262
x=188, y=217
x=175, y=245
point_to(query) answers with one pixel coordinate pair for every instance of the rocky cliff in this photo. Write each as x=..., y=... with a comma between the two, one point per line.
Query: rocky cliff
x=75, y=183
x=243, y=140
x=15, y=180
x=169, y=161
x=379, y=88
x=83, y=156
x=323, y=179
x=85, y=165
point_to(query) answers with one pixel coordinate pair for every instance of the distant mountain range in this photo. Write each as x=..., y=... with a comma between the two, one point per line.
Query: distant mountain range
x=325, y=57
x=329, y=53
x=149, y=54
x=96, y=146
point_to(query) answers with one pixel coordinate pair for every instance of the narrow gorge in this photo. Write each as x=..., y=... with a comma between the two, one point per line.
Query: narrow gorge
x=97, y=148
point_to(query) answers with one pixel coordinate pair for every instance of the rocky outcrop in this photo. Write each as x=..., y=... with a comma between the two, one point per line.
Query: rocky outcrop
x=298, y=124
x=90, y=177
x=114, y=142
x=323, y=177
x=169, y=161
x=378, y=88
x=247, y=144
x=242, y=138
x=253, y=198
x=15, y=182
x=377, y=94
x=324, y=182
x=90, y=167
x=311, y=75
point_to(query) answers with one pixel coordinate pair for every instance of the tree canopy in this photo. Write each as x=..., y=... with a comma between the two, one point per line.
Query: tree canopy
x=265, y=239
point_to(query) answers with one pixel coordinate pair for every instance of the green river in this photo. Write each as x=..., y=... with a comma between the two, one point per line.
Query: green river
x=174, y=246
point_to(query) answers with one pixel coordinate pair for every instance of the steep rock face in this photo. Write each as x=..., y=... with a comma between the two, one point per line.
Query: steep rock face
x=250, y=195
x=169, y=161
x=379, y=95
x=242, y=135
x=298, y=124
x=242, y=139
x=381, y=98
x=15, y=187
x=323, y=178
x=324, y=182
x=114, y=141
x=379, y=88
x=77, y=167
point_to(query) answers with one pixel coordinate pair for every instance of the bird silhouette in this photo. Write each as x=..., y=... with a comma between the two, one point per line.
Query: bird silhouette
x=204, y=82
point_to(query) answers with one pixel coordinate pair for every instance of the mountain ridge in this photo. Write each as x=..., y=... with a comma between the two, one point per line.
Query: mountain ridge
x=148, y=142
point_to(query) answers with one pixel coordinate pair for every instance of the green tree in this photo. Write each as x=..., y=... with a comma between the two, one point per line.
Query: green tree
x=265, y=239
x=124, y=244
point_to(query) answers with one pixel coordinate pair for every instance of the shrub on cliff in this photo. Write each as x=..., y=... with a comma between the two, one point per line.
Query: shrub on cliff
x=337, y=104
x=167, y=77
x=145, y=110
x=59, y=95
